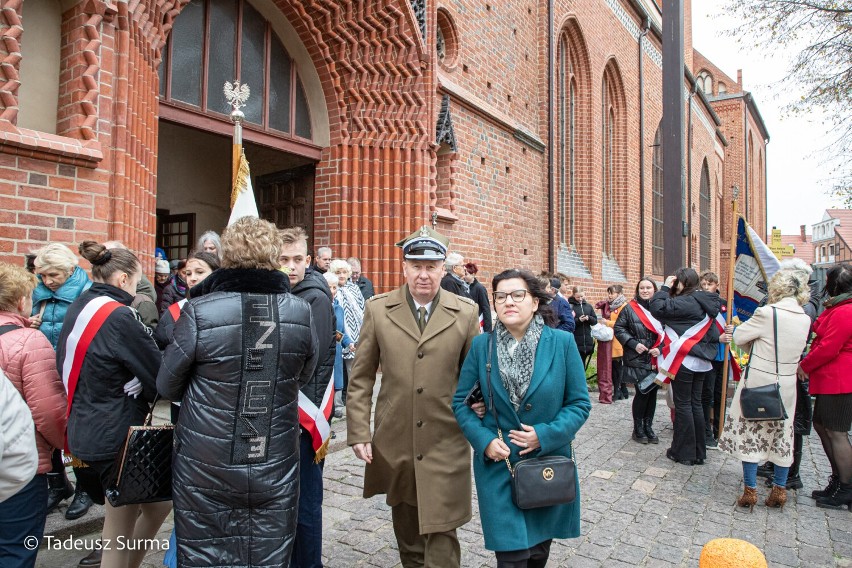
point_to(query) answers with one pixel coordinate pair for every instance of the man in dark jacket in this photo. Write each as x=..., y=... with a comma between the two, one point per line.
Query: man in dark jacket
x=358, y=278
x=561, y=307
x=311, y=287
x=453, y=280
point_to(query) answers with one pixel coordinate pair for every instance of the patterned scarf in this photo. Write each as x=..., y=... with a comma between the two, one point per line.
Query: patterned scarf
x=516, y=368
x=617, y=303
x=834, y=300
x=352, y=300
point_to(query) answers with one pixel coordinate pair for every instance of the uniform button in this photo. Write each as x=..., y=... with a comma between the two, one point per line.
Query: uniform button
x=419, y=354
x=528, y=406
x=419, y=457
x=419, y=390
x=419, y=423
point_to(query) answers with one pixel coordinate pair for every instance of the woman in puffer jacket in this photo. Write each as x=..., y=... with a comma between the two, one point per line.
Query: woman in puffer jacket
x=30, y=364
x=585, y=318
x=635, y=329
x=241, y=350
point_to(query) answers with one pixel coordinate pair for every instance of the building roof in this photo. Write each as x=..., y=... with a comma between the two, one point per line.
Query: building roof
x=843, y=228
x=804, y=248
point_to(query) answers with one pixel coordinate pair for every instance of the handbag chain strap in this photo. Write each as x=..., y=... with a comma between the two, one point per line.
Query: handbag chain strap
x=149, y=418
x=494, y=408
x=491, y=398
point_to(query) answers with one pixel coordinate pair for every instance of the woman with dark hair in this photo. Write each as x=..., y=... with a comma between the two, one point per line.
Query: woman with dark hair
x=688, y=314
x=479, y=295
x=176, y=288
x=109, y=364
x=610, y=353
x=827, y=366
x=584, y=318
x=540, y=399
x=242, y=348
x=199, y=266
x=641, y=335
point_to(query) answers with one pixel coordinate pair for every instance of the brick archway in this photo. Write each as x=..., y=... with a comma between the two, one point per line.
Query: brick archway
x=372, y=179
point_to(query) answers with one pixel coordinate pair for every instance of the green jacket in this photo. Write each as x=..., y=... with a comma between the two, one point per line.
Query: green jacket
x=557, y=405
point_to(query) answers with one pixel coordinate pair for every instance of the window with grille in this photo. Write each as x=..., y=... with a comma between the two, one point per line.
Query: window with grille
x=657, y=205
x=175, y=233
x=214, y=41
x=704, y=218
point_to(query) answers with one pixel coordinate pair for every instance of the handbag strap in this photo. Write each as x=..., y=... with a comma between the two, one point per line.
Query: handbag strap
x=491, y=397
x=775, y=341
x=150, y=415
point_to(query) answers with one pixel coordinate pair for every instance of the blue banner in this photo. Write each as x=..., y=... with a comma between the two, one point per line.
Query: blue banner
x=754, y=266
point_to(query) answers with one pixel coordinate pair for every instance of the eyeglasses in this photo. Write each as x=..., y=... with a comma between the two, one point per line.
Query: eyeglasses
x=517, y=296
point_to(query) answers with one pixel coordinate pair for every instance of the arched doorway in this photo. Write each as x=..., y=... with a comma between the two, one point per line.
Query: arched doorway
x=285, y=129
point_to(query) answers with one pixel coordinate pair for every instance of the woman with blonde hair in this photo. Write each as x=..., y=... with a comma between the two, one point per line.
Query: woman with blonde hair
x=60, y=282
x=29, y=362
x=775, y=336
x=242, y=348
x=109, y=363
x=352, y=301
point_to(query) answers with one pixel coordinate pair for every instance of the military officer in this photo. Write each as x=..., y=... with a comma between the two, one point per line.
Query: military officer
x=416, y=454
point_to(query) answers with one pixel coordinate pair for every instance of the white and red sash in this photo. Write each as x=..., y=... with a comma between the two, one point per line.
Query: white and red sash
x=89, y=321
x=315, y=420
x=677, y=348
x=651, y=323
x=176, y=308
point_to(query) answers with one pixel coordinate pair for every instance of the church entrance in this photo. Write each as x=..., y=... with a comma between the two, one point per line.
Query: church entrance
x=285, y=127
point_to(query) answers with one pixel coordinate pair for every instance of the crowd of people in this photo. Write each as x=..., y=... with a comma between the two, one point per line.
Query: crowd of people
x=259, y=345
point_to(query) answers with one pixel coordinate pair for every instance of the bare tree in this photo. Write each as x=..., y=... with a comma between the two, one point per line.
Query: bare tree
x=819, y=32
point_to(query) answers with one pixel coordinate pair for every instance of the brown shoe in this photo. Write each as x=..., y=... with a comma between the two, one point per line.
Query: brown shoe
x=777, y=497
x=749, y=498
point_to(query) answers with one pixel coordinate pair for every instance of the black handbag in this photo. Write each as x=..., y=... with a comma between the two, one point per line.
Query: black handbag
x=536, y=482
x=763, y=403
x=144, y=465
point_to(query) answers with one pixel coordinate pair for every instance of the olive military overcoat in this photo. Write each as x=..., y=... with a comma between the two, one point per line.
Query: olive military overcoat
x=420, y=456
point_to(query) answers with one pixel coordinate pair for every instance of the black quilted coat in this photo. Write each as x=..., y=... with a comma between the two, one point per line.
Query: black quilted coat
x=228, y=512
x=630, y=332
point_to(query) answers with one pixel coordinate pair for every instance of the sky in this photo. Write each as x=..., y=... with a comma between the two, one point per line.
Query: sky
x=796, y=190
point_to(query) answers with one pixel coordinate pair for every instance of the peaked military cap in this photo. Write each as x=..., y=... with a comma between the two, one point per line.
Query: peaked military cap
x=424, y=244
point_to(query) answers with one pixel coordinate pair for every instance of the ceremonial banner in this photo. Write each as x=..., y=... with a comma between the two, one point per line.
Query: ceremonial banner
x=243, y=203
x=754, y=266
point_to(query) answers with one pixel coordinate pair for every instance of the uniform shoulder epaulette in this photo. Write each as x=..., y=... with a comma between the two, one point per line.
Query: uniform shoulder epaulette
x=377, y=296
x=468, y=300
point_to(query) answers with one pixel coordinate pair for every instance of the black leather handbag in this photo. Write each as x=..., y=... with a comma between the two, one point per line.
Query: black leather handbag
x=144, y=465
x=536, y=482
x=763, y=403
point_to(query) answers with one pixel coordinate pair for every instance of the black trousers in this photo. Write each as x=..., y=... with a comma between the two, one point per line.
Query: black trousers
x=688, y=439
x=644, y=405
x=533, y=557
x=617, y=366
x=708, y=396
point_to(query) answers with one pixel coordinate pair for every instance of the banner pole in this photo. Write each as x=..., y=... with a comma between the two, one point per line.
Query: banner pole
x=730, y=310
x=236, y=95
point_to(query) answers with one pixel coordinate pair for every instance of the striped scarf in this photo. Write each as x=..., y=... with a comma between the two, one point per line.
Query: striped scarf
x=352, y=301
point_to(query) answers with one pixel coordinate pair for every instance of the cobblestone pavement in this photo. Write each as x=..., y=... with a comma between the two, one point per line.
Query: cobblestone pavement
x=639, y=509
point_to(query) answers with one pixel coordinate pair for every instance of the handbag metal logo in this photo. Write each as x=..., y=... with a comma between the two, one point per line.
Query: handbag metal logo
x=547, y=473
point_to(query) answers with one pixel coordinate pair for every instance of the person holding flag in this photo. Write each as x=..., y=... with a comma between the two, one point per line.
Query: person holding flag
x=316, y=398
x=688, y=315
x=642, y=336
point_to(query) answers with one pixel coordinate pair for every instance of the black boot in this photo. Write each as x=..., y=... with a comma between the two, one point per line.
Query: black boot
x=766, y=470
x=92, y=560
x=79, y=506
x=649, y=431
x=794, y=481
x=58, y=489
x=625, y=394
x=639, y=431
x=833, y=480
x=842, y=497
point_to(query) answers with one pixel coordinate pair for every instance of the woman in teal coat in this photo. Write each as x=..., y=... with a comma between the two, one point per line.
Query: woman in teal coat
x=542, y=402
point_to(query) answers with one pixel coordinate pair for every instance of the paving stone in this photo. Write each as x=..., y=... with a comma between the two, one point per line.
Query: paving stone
x=644, y=486
x=656, y=472
x=603, y=474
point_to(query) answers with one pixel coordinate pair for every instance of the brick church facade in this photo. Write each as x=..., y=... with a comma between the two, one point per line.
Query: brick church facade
x=528, y=144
